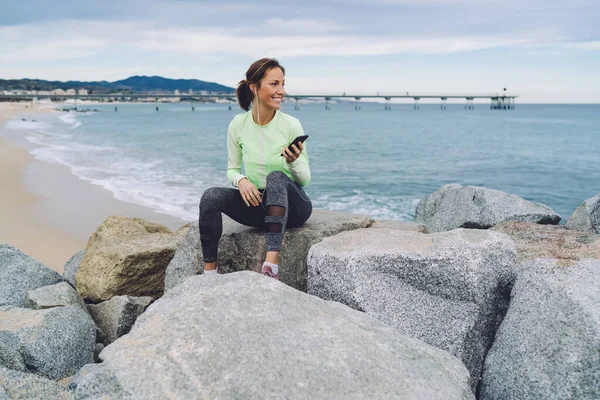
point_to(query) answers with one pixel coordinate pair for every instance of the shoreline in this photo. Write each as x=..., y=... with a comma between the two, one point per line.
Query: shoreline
x=47, y=212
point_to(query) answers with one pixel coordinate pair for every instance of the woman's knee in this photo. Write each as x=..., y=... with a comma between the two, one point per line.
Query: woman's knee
x=210, y=197
x=277, y=177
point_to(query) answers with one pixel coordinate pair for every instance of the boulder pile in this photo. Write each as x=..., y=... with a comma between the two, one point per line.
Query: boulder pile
x=442, y=308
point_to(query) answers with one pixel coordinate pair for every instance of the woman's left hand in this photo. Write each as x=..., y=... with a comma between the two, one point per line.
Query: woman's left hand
x=291, y=156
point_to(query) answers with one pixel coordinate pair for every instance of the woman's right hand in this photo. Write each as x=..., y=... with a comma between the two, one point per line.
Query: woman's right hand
x=249, y=192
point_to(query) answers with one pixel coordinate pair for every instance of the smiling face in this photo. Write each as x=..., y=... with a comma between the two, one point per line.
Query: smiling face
x=271, y=90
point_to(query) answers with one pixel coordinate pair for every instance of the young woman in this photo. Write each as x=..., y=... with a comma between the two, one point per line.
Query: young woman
x=270, y=194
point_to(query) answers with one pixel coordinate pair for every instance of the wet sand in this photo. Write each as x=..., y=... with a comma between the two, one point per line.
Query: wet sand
x=46, y=211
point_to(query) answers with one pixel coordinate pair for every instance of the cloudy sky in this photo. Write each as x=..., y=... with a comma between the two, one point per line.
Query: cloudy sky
x=546, y=51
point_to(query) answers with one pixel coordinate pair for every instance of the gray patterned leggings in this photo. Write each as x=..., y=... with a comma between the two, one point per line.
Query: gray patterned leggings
x=284, y=203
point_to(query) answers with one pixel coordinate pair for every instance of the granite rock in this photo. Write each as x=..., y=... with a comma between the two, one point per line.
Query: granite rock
x=587, y=216
x=449, y=289
x=116, y=316
x=244, y=335
x=71, y=267
x=20, y=385
x=550, y=241
x=9, y=352
x=548, y=346
x=19, y=274
x=454, y=206
x=53, y=343
x=243, y=248
x=59, y=295
x=400, y=225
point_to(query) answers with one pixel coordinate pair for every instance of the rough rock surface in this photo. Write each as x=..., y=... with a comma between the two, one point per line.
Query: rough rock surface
x=455, y=206
x=58, y=295
x=53, y=343
x=126, y=256
x=19, y=274
x=587, y=216
x=400, y=225
x=71, y=267
x=243, y=248
x=9, y=352
x=449, y=289
x=548, y=346
x=244, y=335
x=83, y=372
x=19, y=385
x=187, y=260
x=116, y=316
x=548, y=241
x=97, y=350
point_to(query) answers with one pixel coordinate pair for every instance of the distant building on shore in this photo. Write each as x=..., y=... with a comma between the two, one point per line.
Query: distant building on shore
x=59, y=92
x=82, y=92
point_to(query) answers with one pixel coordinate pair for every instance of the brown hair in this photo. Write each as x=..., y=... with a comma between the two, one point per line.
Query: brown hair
x=255, y=74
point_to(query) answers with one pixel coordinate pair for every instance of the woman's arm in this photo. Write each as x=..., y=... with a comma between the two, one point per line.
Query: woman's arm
x=234, y=159
x=300, y=168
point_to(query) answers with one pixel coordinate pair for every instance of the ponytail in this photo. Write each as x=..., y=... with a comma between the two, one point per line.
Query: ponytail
x=254, y=75
x=244, y=95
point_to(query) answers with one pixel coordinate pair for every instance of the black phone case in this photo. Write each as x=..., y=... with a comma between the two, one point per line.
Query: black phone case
x=297, y=140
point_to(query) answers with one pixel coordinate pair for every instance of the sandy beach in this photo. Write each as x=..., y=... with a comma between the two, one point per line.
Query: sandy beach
x=46, y=211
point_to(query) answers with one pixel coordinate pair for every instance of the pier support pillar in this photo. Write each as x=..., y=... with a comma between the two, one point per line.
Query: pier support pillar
x=296, y=106
x=156, y=104
x=469, y=105
x=387, y=104
x=444, y=100
x=193, y=108
x=357, y=106
x=416, y=106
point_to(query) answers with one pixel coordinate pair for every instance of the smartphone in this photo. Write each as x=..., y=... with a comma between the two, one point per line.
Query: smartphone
x=299, y=139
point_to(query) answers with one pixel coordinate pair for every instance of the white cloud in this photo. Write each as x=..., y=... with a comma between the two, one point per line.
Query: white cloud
x=304, y=25
x=81, y=39
x=591, y=45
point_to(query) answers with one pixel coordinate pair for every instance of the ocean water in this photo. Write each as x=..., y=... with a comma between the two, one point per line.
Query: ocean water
x=370, y=161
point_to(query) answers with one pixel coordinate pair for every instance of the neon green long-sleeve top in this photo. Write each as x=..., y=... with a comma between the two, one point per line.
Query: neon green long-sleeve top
x=259, y=149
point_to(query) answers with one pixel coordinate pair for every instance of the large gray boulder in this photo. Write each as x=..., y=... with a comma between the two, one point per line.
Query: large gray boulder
x=19, y=274
x=550, y=241
x=244, y=335
x=116, y=316
x=19, y=385
x=243, y=248
x=71, y=267
x=548, y=346
x=587, y=216
x=455, y=206
x=59, y=295
x=126, y=256
x=53, y=343
x=449, y=289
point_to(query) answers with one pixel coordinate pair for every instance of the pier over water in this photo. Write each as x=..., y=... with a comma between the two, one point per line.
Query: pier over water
x=497, y=101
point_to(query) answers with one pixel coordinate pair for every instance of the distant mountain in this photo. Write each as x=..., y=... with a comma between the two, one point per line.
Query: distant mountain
x=150, y=84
